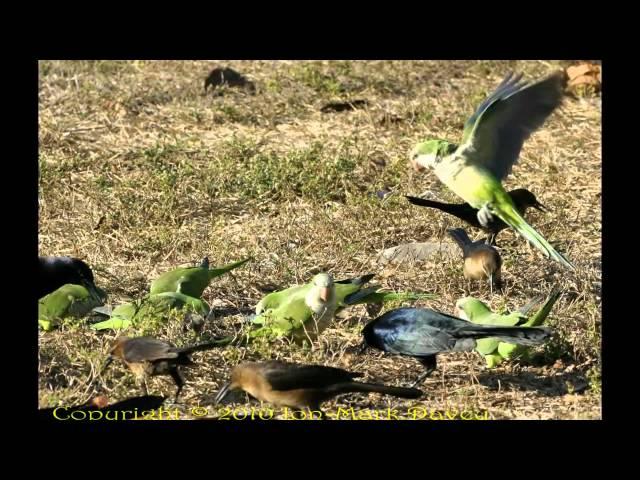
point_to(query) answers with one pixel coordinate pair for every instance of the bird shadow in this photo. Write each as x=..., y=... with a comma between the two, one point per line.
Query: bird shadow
x=549, y=386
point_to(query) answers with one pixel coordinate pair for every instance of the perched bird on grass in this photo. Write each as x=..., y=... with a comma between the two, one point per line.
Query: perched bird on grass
x=492, y=349
x=191, y=281
x=152, y=308
x=68, y=301
x=301, y=386
x=490, y=146
x=423, y=333
x=305, y=311
x=522, y=199
x=146, y=356
x=481, y=261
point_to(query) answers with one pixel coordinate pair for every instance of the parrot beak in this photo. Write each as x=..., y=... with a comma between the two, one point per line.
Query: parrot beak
x=222, y=393
x=458, y=312
x=416, y=165
x=324, y=294
x=539, y=206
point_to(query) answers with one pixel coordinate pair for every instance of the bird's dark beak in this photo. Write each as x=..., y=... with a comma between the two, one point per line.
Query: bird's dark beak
x=539, y=206
x=222, y=393
x=95, y=291
x=106, y=364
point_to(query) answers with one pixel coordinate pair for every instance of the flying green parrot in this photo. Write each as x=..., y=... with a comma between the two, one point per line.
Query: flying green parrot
x=191, y=281
x=491, y=142
x=493, y=350
x=70, y=300
x=305, y=311
x=150, y=308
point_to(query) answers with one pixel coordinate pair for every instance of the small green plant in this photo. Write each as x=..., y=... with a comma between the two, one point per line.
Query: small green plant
x=310, y=75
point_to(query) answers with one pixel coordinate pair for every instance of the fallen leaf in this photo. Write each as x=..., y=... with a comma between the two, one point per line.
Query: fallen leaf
x=584, y=80
x=579, y=70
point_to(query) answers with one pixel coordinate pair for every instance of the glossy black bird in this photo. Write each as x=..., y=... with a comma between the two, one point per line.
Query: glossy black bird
x=481, y=261
x=522, y=198
x=227, y=76
x=149, y=356
x=54, y=272
x=301, y=386
x=422, y=333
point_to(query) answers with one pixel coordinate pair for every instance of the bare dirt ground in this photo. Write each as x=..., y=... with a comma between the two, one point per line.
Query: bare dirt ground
x=141, y=172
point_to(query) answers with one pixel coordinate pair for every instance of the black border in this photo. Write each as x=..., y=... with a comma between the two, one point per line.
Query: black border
x=28, y=152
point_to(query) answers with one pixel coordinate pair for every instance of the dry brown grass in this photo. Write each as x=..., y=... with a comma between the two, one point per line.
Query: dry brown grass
x=178, y=175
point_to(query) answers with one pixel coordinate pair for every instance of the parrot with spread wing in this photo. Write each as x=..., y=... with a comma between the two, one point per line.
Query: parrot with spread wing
x=490, y=146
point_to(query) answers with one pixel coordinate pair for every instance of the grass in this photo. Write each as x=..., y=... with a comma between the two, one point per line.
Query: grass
x=175, y=175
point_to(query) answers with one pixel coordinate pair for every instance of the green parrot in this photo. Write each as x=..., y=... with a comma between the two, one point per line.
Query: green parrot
x=70, y=300
x=305, y=311
x=290, y=311
x=191, y=281
x=491, y=142
x=493, y=350
x=150, y=307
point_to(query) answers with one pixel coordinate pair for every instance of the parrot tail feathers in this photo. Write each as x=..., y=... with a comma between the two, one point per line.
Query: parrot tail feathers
x=511, y=217
x=517, y=335
x=544, y=311
x=216, y=272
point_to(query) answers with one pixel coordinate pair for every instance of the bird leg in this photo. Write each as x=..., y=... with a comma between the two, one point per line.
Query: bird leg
x=106, y=365
x=491, y=239
x=484, y=215
x=468, y=286
x=361, y=348
x=143, y=386
x=179, y=381
x=430, y=364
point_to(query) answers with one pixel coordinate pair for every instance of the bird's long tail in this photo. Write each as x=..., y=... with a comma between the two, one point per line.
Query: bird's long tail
x=371, y=295
x=401, y=392
x=460, y=237
x=357, y=280
x=526, y=309
x=216, y=272
x=451, y=208
x=544, y=311
x=511, y=217
x=517, y=335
